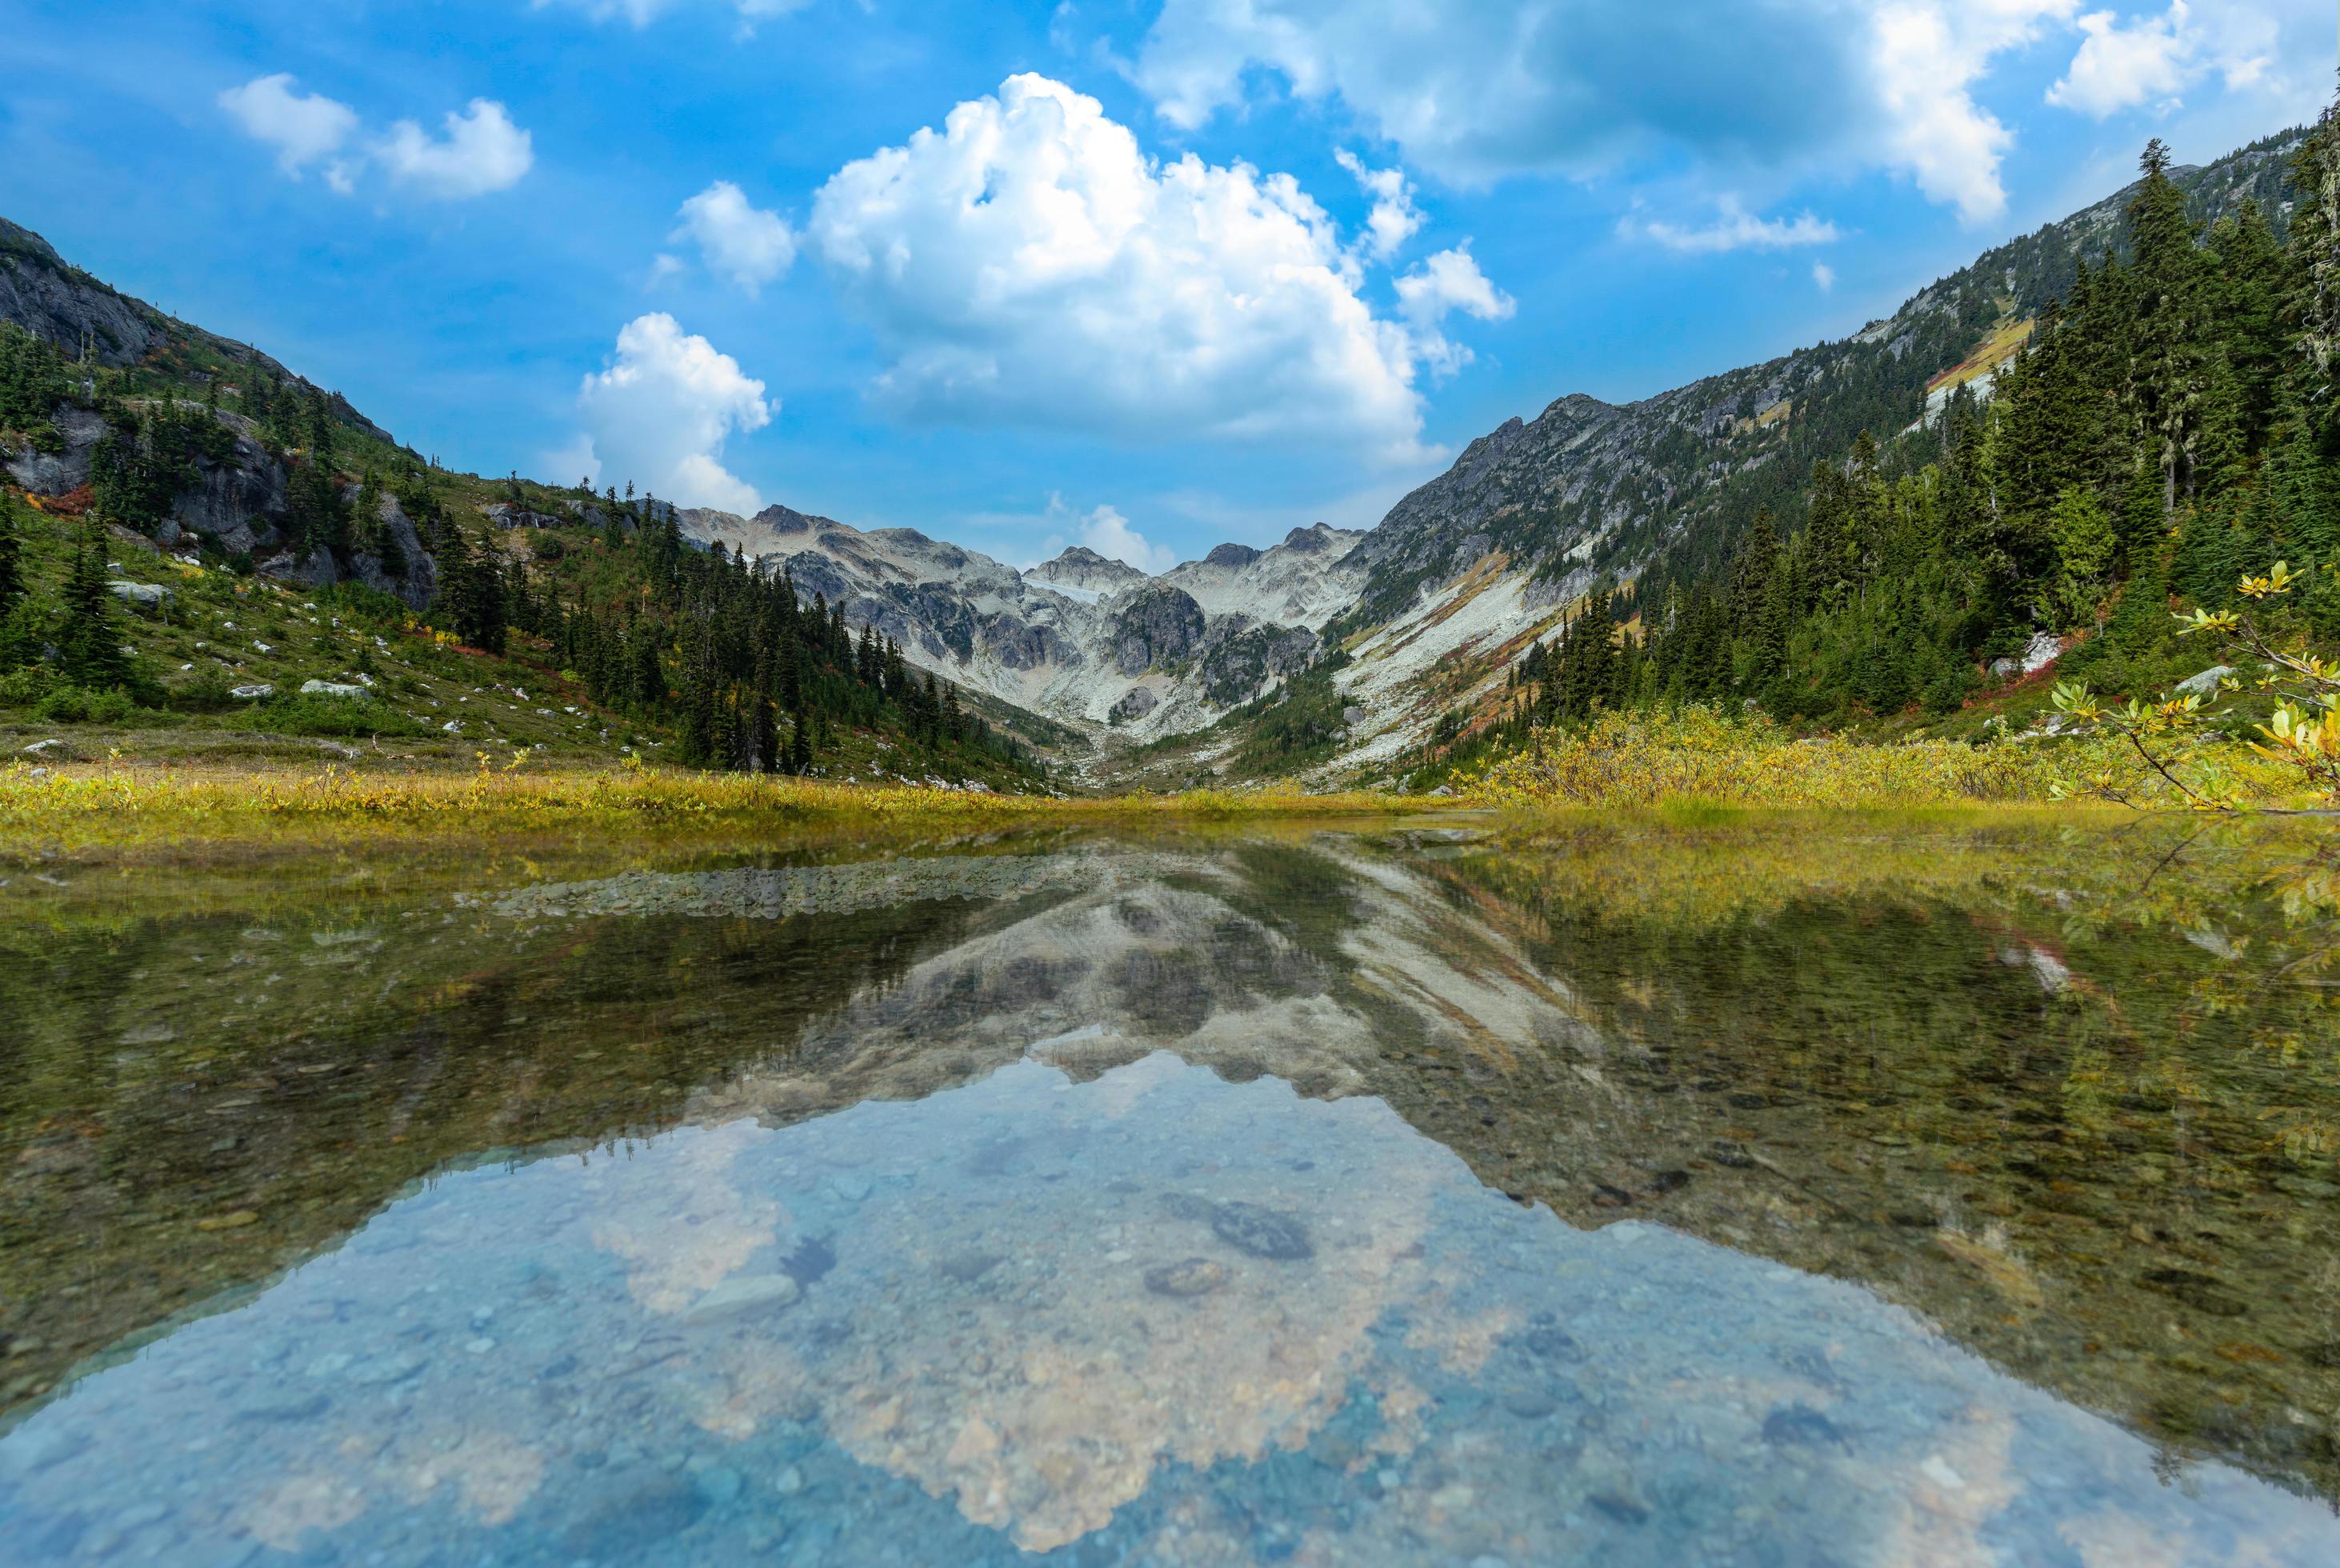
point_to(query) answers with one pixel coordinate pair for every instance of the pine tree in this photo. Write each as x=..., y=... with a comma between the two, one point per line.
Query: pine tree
x=11, y=562
x=2164, y=390
x=763, y=749
x=2087, y=547
x=800, y=756
x=89, y=640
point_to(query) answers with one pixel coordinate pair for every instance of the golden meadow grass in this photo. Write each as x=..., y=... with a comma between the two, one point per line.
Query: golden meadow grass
x=1698, y=756
x=144, y=808
x=1680, y=763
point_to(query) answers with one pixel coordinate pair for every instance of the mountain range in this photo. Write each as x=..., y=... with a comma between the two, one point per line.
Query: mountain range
x=1388, y=630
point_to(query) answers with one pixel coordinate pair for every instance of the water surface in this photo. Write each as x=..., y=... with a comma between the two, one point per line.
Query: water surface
x=1934, y=1193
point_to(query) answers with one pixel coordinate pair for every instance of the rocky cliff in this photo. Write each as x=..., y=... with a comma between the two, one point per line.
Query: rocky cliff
x=237, y=504
x=86, y=318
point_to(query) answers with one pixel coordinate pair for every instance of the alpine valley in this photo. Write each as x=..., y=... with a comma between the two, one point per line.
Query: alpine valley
x=1328, y=656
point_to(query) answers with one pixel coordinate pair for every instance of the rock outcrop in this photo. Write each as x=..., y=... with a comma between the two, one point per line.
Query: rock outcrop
x=1156, y=626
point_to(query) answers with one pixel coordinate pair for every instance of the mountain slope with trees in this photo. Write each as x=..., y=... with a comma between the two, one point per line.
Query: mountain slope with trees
x=2171, y=431
x=145, y=449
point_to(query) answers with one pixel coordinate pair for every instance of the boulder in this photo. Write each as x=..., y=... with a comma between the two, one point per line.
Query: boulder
x=1135, y=703
x=251, y=693
x=2206, y=684
x=504, y=514
x=146, y=595
x=51, y=751
x=330, y=689
x=316, y=570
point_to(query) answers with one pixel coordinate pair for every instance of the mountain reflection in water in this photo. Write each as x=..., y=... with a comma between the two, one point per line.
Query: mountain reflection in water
x=1187, y=1201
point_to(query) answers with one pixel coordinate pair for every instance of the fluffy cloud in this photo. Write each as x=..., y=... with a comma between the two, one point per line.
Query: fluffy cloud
x=745, y=243
x=1824, y=277
x=482, y=150
x=1107, y=532
x=1475, y=90
x=1394, y=218
x=2121, y=65
x=304, y=128
x=1448, y=282
x=1929, y=56
x=1029, y=263
x=1735, y=229
x=658, y=417
x=2152, y=59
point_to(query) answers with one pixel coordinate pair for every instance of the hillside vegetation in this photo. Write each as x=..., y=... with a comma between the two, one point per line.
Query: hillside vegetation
x=2167, y=438
x=249, y=558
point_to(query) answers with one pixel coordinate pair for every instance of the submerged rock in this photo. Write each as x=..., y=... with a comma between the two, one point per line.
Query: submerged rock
x=634, y=1518
x=1186, y=1278
x=742, y=1296
x=1262, y=1232
x=1793, y=1424
x=969, y=1266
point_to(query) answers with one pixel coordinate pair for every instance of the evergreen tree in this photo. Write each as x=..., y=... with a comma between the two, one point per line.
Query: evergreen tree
x=12, y=562
x=2087, y=547
x=89, y=638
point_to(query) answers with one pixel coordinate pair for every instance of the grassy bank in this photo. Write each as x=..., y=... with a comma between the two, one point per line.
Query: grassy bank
x=108, y=806
x=1697, y=755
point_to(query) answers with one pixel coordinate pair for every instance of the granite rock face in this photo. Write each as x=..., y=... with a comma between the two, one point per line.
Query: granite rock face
x=67, y=470
x=396, y=543
x=237, y=503
x=52, y=300
x=41, y=295
x=1158, y=626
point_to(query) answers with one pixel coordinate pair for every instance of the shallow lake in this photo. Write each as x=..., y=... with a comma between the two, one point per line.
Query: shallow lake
x=1863, y=1192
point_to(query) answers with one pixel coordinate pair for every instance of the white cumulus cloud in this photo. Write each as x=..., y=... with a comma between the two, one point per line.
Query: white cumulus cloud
x=1029, y=263
x=304, y=128
x=1394, y=218
x=2120, y=65
x=2150, y=61
x=1929, y=56
x=1735, y=228
x=659, y=415
x=1448, y=282
x=744, y=242
x=481, y=152
x=1476, y=90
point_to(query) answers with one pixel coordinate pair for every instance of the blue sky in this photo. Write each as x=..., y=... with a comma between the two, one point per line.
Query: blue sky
x=1143, y=274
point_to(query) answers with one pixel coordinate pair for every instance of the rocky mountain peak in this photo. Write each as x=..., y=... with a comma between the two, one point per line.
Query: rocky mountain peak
x=781, y=521
x=1233, y=556
x=1083, y=570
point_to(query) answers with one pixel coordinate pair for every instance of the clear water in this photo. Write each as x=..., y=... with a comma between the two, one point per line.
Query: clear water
x=1272, y=1196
